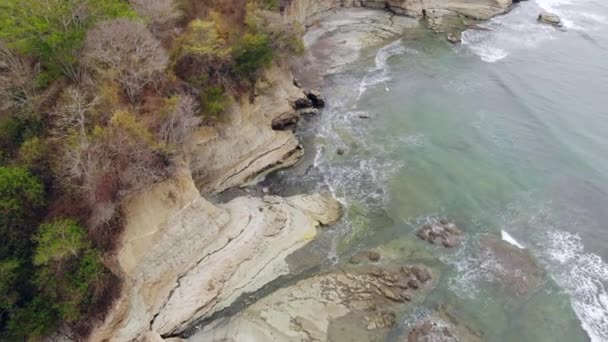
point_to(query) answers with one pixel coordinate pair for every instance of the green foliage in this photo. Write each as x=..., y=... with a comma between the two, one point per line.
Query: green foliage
x=20, y=192
x=203, y=40
x=271, y=5
x=70, y=287
x=8, y=276
x=33, y=155
x=214, y=101
x=251, y=53
x=53, y=30
x=57, y=241
x=36, y=319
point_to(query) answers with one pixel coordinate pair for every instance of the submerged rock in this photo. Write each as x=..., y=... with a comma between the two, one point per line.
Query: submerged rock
x=515, y=270
x=441, y=231
x=550, y=18
x=362, y=256
x=344, y=305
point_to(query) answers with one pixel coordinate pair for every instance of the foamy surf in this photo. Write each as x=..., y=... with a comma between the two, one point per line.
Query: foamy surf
x=506, y=237
x=380, y=72
x=584, y=277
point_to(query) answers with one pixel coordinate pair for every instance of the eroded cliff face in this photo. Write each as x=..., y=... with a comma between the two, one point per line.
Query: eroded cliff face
x=308, y=11
x=243, y=147
x=183, y=258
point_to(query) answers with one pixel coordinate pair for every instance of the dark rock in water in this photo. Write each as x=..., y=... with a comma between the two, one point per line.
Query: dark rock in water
x=308, y=111
x=363, y=116
x=362, y=256
x=441, y=231
x=316, y=98
x=340, y=151
x=454, y=37
x=285, y=121
x=549, y=18
x=302, y=102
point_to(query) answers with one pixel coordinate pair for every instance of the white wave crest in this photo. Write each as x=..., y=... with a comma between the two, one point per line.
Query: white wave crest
x=380, y=72
x=584, y=277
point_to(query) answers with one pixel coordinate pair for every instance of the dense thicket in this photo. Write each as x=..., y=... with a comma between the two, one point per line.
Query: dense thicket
x=97, y=98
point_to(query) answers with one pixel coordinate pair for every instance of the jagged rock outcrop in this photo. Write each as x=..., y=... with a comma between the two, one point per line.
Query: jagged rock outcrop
x=440, y=231
x=348, y=305
x=183, y=258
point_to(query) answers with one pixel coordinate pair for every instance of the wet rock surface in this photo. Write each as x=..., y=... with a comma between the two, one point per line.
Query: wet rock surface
x=440, y=232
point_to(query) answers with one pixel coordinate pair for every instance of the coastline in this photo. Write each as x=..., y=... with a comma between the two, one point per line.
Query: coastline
x=172, y=229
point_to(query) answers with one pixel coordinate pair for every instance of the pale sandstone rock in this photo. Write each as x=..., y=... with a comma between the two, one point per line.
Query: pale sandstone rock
x=242, y=148
x=349, y=305
x=309, y=11
x=183, y=258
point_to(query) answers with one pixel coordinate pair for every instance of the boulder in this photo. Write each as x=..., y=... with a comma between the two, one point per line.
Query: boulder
x=317, y=99
x=441, y=231
x=302, y=102
x=454, y=37
x=549, y=18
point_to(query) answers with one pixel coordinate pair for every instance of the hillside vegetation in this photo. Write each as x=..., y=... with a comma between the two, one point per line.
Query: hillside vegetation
x=96, y=100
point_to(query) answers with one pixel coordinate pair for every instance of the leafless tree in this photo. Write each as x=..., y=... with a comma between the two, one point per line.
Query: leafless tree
x=178, y=121
x=126, y=52
x=71, y=115
x=162, y=14
x=17, y=81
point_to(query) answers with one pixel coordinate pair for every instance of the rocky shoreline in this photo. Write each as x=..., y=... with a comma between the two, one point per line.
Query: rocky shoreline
x=184, y=259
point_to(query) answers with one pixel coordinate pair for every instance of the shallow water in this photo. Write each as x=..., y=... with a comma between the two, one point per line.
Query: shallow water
x=507, y=135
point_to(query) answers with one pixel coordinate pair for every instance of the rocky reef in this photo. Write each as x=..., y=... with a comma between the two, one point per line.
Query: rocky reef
x=345, y=305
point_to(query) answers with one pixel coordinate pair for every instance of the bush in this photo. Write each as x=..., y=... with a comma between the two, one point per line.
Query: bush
x=214, y=101
x=251, y=53
x=20, y=194
x=203, y=54
x=125, y=52
x=58, y=241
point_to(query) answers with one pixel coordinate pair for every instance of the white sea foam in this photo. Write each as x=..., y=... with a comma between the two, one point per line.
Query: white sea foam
x=380, y=72
x=511, y=32
x=509, y=239
x=584, y=276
